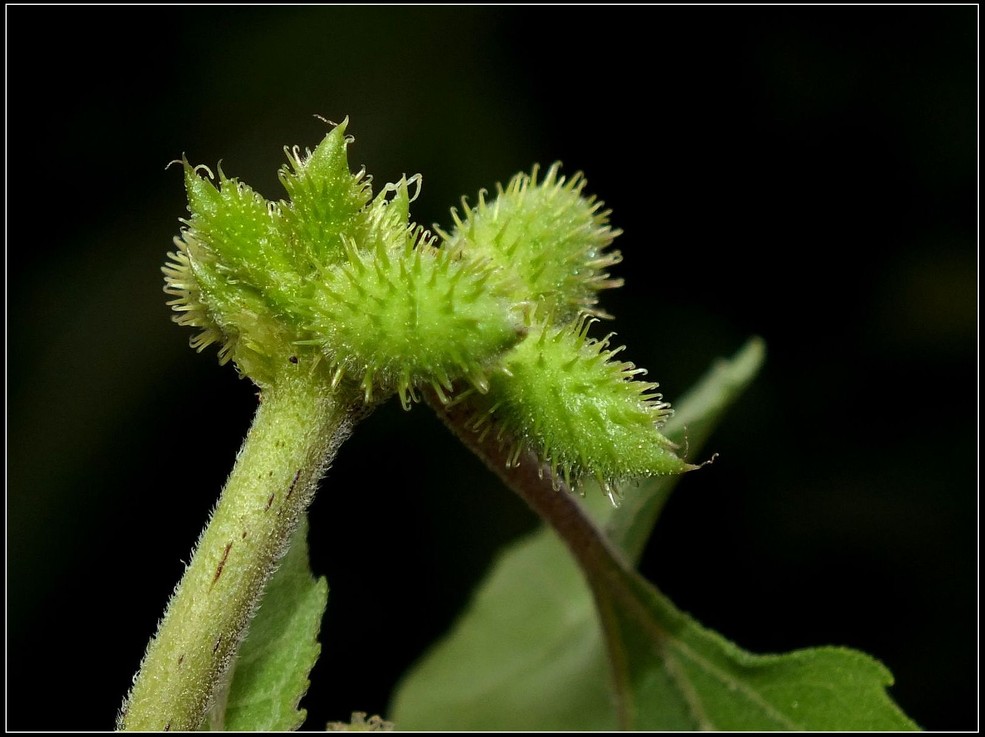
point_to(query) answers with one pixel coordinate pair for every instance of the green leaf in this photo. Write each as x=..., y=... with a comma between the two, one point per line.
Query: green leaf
x=270, y=675
x=675, y=674
x=530, y=654
x=526, y=654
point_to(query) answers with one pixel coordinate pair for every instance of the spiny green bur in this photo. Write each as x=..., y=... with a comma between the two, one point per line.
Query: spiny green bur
x=326, y=203
x=401, y=318
x=564, y=395
x=548, y=236
x=232, y=276
x=340, y=280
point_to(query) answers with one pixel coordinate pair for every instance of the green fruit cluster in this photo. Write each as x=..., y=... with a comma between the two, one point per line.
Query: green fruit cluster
x=332, y=276
x=494, y=313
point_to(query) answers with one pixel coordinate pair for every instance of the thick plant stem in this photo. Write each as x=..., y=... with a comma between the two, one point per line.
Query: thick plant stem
x=297, y=430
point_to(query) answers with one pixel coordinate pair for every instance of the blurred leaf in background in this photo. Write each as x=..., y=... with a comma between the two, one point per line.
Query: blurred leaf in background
x=536, y=650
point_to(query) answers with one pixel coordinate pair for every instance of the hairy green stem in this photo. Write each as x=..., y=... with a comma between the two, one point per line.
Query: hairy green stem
x=297, y=430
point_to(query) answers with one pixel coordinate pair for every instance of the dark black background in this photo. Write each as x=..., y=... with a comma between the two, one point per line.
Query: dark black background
x=807, y=174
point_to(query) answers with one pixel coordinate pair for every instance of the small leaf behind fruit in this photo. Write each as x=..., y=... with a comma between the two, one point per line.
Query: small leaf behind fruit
x=526, y=655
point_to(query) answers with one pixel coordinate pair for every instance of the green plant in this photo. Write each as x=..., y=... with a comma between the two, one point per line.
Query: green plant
x=331, y=302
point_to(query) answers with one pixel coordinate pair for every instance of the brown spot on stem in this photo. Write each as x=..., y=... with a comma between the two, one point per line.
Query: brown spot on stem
x=293, y=359
x=243, y=536
x=215, y=647
x=167, y=727
x=181, y=659
x=222, y=564
x=270, y=500
x=294, y=482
